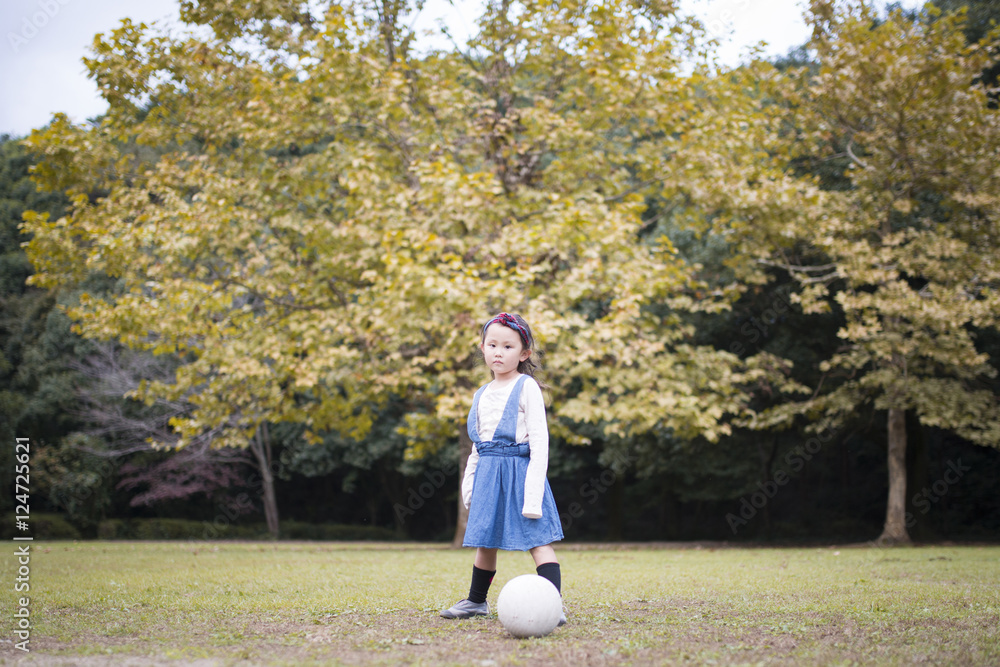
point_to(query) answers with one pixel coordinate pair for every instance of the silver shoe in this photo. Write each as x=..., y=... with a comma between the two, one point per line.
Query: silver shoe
x=562, y=620
x=466, y=609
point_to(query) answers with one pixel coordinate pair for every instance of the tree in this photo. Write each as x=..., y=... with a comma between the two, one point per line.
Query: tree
x=332, y=217
x=981, y=16
x=122, y=430
x=37, y=388
x=908, y=250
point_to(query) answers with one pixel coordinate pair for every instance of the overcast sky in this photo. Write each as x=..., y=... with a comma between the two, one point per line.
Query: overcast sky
x=43, y=41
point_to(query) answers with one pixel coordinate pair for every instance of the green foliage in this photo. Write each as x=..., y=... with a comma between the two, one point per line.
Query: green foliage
x=75, y=478
x=38, y=397
x=35, y=385
x=981, y=16
x=43, y=526
x=176, y=529
x=298, y=530
x=18, y=194
x=185, y=529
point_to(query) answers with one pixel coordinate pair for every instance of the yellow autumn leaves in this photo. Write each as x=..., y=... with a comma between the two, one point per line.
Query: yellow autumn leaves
x=316, y=219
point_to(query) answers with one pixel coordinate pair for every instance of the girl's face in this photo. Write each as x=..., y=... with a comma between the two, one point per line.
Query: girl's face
x=503, y=351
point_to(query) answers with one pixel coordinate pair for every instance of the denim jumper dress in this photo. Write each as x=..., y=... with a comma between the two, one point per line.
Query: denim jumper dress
x=495, y=519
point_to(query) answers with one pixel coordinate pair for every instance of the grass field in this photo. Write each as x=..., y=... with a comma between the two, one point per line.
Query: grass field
x=96, y=603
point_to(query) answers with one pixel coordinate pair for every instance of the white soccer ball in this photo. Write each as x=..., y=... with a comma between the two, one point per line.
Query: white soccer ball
x=529, y=606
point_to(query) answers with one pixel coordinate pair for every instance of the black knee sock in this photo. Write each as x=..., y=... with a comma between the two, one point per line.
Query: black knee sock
x=551, y=572
x=481, y=580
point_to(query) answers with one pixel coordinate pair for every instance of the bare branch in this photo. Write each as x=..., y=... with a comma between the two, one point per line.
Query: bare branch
x=129, y=427
x=801, y=273
x=795, y=268
x=855, y=159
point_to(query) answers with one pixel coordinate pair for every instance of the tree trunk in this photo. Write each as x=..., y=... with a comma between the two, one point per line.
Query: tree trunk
x=260, y=445
x=894, y=531
x=464, y=449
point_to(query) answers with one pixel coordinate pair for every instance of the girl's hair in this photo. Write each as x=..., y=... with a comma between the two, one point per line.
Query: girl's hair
x=514, y=321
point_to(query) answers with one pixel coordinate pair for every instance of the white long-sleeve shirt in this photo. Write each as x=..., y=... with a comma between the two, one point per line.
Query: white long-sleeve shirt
x=531, y=428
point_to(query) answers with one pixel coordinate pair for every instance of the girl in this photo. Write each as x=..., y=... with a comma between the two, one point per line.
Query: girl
x=505, y=489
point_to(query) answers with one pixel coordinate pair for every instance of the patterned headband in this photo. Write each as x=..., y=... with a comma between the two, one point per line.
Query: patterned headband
x=508, y=320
